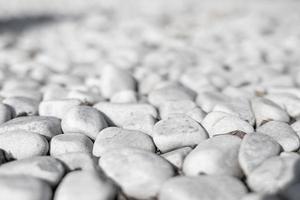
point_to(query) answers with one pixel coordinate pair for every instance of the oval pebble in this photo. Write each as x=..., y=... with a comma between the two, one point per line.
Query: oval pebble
x=255, y=149
x=282, y=133
x=43, y=167
x=114, y=137
x=24, y=187
x=215, y=156
x=46, y=126
x=82, y=185
x=202, y=187
x=83, y=119
x=21, y=144
x=176, y=132
x=126, y=167
x=274, y=174
x=70, y=143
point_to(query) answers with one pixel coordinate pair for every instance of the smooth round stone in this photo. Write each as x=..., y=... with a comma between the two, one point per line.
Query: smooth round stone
x=43, y=167
x=175, y=107
x=5, y=113
x=82, y=185
x=211, y=118
x=46, y=126
x=139, y=116
x=116, y=138
x=114, y=80
x=176, y=132
x=177, y=156
x=239, y=107
x=208, y=187
x=255, y=149
x=83, y=119
x=124, y=96
x=24, y=187
x=274, y=174
x=282, y=133
x=57, y=108
x=22, y=106
x=216, y=156
x=134, y=169
x=70, y=143
x=169, y=93
x=78, y=161
x=21, y=144
x=266, y=110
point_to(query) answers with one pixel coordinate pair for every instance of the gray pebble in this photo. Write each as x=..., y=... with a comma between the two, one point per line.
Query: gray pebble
x=255, y=149
x=274, y=174
x=82, y=185
x=216, y=156
x=176, y=132
x=46, y=126
x=43, y=167
x=22, y=106
x=24, y=187
x=70, y=143
x=126, y=167
x=176, y=157
x=114, y=137
x=83, y=119
x=282, y=133
x=21, y=144
x=202, y=187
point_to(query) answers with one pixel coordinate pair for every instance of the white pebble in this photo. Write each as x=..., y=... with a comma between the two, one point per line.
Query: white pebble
x=22, y=106
x=177, y=156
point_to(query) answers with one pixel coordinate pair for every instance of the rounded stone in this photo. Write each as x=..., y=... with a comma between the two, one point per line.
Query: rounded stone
x=77, y=185
x=22, y=106
x=215, y=156
x=116, y=138
x=83, y=119
x=208, y=187
x=21, y=144
x=126, y=167
x=70, y=143
x=176, y=132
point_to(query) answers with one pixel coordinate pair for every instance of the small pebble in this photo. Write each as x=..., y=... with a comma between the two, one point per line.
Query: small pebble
x=202, y=187
x=70, y=143
x=215, y=156
x=255, y=149
x=176, y=132
x=116, y=138
x=176, y=157
x=21, y=144
x=43, y=167
x=24, y=187
x=282, y=133
x=82, y=185
x=83, y=119
x=126, y=167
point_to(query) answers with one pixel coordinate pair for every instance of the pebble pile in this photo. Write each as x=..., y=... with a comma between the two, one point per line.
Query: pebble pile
x=187, y=102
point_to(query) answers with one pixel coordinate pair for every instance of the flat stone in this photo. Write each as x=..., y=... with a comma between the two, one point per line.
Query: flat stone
x=176, y=157
x=5, y=113
x=22, y=106
x=255, y=149
x=282, y=133
x=266, y=110
x=274, y=174
x=46, y=126
x=70, y=143
x=215, y=156
x=43, y=167
x=208, y=187
x=140, y=117
x=57, y=108
x=176, y=132
x=83, y=119
x=78, y=161
x=21, y=144
x=78, y=184
x=126, y=167
x=24, y=187
x=116, y=138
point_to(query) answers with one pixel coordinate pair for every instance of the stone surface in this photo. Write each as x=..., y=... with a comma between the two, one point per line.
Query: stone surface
x=177, y=156
x=22, y=106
